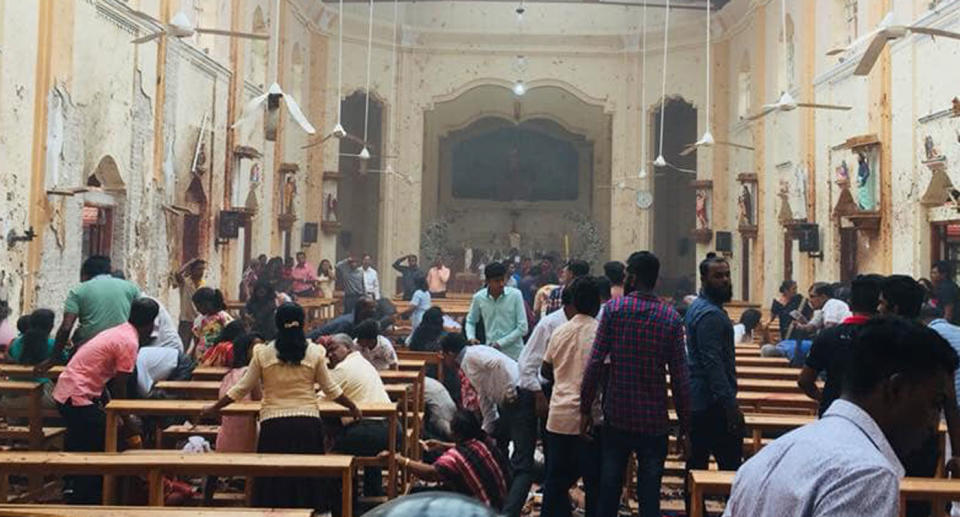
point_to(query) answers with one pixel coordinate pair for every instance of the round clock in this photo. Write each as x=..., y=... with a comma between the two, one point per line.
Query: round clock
x=644, y=199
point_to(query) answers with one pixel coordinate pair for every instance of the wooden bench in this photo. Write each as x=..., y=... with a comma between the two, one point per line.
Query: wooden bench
x=158, y=464
x=117, y=407
x=770, y=385
x=938, y=491
x=22, y=370
x=209, y=373
x=767, y=372
x=56, y=510
x=762, y=361
x=430, y=358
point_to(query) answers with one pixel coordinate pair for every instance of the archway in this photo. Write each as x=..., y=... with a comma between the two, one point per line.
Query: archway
x=674, y=215
x=359, y=189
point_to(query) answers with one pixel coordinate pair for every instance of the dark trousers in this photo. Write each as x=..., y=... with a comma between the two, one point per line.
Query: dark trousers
x=518, y=424
x=366, y=438
x=349, y=301
x=709, y=435
x=616, y=446
x=569, y=457
x=86, y=427
x=922, y=463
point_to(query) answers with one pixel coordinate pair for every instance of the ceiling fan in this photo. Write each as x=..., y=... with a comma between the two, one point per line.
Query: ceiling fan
x=181, y=27
x=272, y=99
x=886, y=22
x=889, y=33
x=707, y=139
x=786, y=102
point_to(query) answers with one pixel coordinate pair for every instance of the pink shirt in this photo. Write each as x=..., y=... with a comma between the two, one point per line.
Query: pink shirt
x=7, y=333
x=108, y=353
x=303, y=277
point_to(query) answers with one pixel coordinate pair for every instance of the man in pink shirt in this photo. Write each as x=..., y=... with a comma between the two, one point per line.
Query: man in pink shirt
x=109, y=357
x=304, y=277
x=437, y=278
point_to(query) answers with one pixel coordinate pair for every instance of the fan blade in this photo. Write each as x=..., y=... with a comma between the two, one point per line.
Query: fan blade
x=823, y=106
x=872, y=54
x=221, y=32
x=738, y=146
x=298, y=115
x=250, y=109
x=143, y=15
x=935, y=32
x=688, y=149
x=357, y=139
x=766, y=111
x=148, y=37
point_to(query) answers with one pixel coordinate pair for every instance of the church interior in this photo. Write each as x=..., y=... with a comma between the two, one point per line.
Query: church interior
x=803, y=140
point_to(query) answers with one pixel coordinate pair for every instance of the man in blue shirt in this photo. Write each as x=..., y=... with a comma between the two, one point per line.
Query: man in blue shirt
x=504, y=317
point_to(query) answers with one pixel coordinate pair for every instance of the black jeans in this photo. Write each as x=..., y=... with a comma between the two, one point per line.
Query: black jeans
x=709, y=436
x=518, y=424
x=651, y=453
x=366, y=437
x=86, y=427
x=570, y=457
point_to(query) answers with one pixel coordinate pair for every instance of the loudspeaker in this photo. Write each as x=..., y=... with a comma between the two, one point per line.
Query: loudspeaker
x=229, y=225
x=809, y=237
x=724, y=242
x=309, y=233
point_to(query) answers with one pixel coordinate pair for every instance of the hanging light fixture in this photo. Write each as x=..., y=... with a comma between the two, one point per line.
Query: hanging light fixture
x=519, y=88
x=520, y=67
x=520, y=10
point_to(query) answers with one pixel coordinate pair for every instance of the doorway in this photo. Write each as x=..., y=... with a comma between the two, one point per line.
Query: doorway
x=674, y=215
x=359, y=189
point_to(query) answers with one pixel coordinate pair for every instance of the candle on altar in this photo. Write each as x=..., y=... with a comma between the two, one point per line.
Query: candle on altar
x=566, y=246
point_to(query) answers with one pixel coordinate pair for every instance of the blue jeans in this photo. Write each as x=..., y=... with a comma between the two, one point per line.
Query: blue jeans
x=570, y=457
x=616, y=447
x=518, y=424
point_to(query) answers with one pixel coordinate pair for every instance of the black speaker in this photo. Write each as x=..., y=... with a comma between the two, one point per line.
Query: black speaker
x=229, y=227
x=809, y=237
x=724, y=242
x=309, y=233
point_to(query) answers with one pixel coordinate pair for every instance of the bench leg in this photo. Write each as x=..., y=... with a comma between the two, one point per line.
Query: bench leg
x=4, y=486
x=155, y=487
x=347, y=489
x=696, y=500
x=392, y=447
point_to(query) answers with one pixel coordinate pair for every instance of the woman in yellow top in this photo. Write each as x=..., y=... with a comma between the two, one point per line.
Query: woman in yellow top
x=288, y=368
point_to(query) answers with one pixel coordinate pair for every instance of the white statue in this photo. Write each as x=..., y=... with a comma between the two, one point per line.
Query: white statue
x=467, y=258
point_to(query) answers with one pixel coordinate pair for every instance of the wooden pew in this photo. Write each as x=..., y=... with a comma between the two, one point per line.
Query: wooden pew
x=57, y=510
x=158, y=464
x=762, y=361
x=209, y=373
x=35, y=434
x=938, y=491
x=22, y=370
x=767, y=372
x=770, y=385
x=430, y=358
x=117, y=407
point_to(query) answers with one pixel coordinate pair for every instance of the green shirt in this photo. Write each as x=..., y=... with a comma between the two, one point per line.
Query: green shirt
x=16, y=350
x=504, y=319
x=100, y=303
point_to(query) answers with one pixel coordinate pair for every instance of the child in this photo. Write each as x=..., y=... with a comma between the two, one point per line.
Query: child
x=222, y=354
x=419, y=303
x=237, y=433
x=373, y=347
x=210, y=322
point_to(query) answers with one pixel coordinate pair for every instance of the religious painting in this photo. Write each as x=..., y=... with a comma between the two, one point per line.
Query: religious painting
x=515, y=163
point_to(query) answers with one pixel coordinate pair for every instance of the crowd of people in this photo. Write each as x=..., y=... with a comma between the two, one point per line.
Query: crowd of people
x=581, y=367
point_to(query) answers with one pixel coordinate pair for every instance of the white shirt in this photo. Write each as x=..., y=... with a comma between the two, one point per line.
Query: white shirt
x=531, y=357
x=839, y=466
x=440, y=406
x=154, y=363
x=832, y=313
x=165, y=332
x=382, y=356
x=371, y=283
x=493, y=375
x=421, y=300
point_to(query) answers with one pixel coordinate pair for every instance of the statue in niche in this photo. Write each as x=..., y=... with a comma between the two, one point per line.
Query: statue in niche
x=930, y=148
x=514, y=235
x=702, y=222
x=467, y=258
x=331, y=208
x=256, y=174
x=745, y=205
x=866, y=197
x=786, y=214
x=201, y=167
x=843, y=173
x=289, y=193
x=800, y=180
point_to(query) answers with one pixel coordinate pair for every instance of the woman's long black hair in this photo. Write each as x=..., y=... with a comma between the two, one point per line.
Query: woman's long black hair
x=35, y=348
x=425, y=336
x=291, y=343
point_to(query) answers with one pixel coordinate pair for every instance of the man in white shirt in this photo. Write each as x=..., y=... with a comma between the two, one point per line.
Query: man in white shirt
x=848, y=463
x=494, y=377
x=376, y=349
x=360, y=381
x=165, y=332
x=371, y=281
x=830, y=311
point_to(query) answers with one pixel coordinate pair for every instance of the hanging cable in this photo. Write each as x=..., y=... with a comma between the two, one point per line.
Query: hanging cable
x=340, y=65
x=663, y=88
x=709, y=107
x=643, y=93
x=366, y=109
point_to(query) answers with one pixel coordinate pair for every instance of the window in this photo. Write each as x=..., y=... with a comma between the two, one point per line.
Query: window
x=257, y=63
x=744, y=87
x=97, y=231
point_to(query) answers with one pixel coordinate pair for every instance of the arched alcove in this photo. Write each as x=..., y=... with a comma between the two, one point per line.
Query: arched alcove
x=744, y=86
x=256, y=70
x=358, y=193
x=296, y=73
x=106, y=175
x=674, y=199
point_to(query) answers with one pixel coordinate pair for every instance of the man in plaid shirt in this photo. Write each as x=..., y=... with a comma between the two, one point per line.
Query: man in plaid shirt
x=641, y=335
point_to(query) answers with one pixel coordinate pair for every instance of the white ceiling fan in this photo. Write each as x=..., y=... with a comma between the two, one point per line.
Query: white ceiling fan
x=181, y=27
x=338, y=130
x=786, y=102
x=707, y=139
x=889, y=33
x=272, y=99
x=886, y=22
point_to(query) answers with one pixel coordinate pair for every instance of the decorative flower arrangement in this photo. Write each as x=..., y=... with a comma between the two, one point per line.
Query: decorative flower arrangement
x=588, y=242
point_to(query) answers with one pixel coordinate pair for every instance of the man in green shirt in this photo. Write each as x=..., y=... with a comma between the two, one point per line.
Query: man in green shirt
x=504, y=317
x=99, y=301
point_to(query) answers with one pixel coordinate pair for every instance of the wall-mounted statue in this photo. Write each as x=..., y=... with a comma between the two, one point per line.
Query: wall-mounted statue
x=843, y=173
x=702, y=221
x=745, y=206
x=331, y=206
x=930, y=149
x=866, y=182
